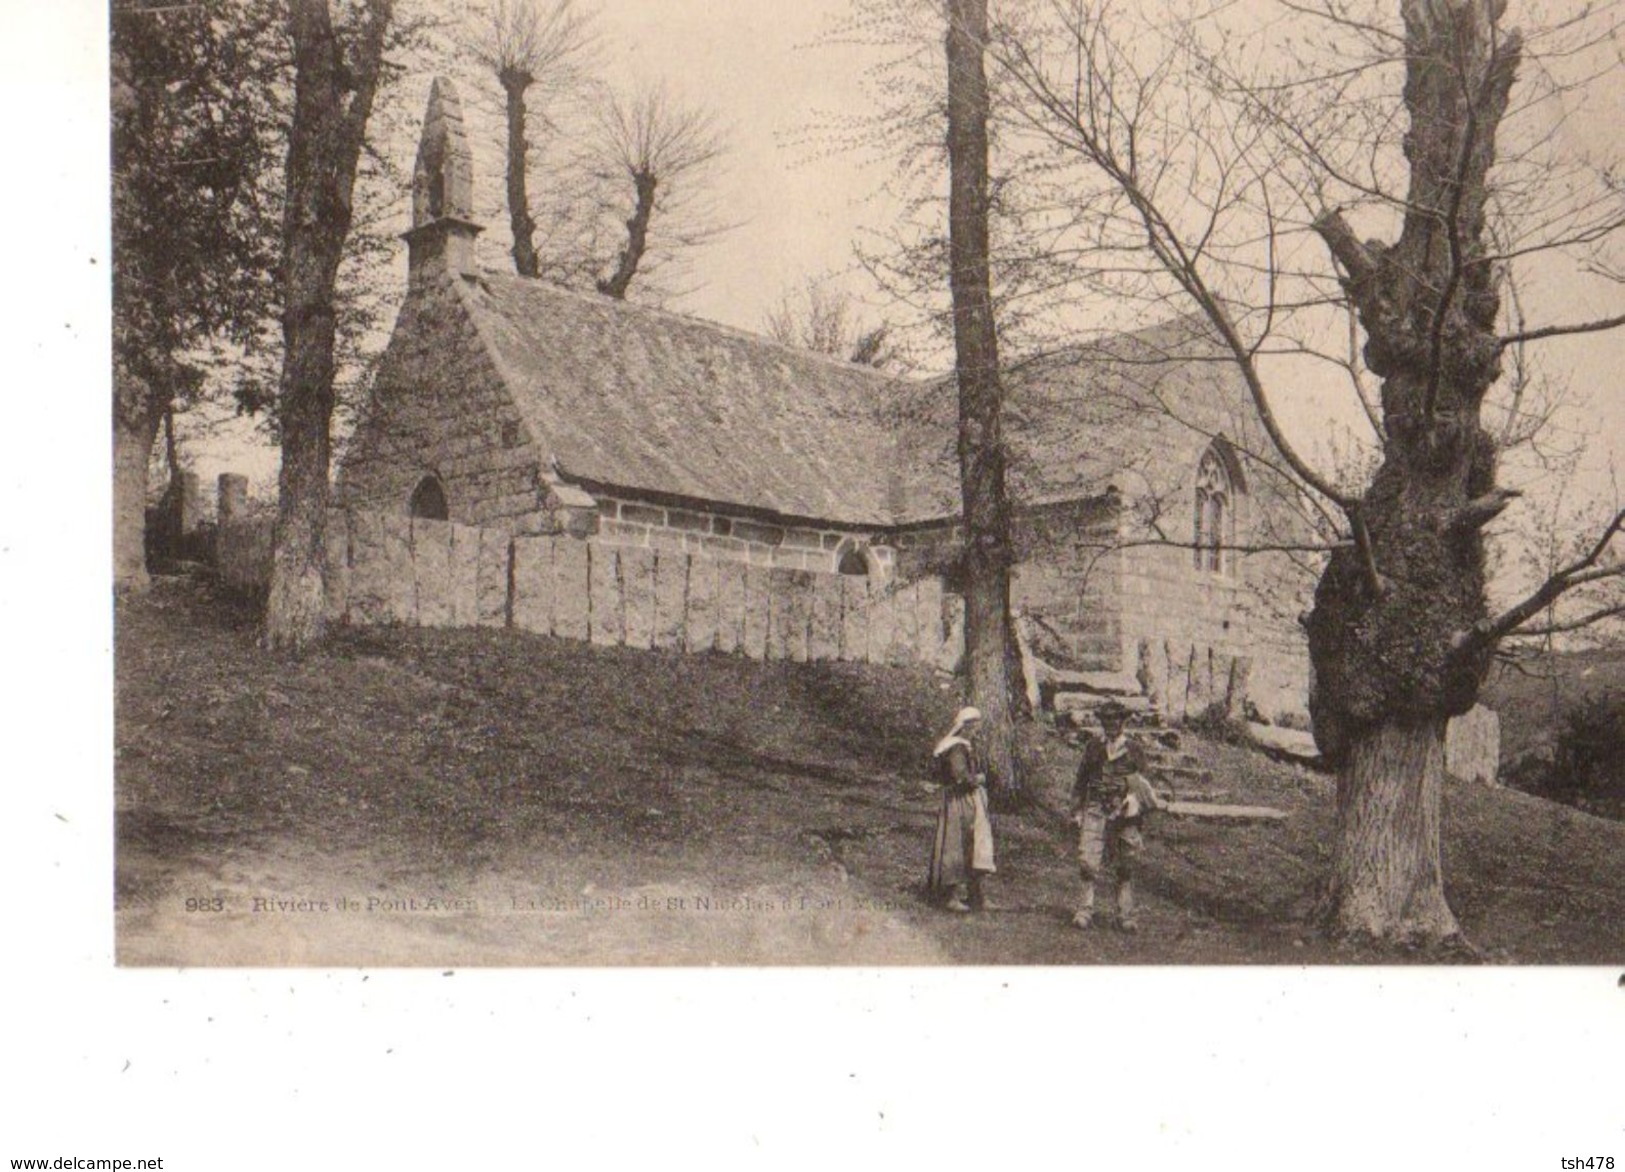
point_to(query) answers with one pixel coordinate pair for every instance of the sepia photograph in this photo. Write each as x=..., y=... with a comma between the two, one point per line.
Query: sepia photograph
x=1053, y=484
x=767, y=578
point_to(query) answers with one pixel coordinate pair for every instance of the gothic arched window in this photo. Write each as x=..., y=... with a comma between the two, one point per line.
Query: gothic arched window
x=429, y=500
x=1215, y=517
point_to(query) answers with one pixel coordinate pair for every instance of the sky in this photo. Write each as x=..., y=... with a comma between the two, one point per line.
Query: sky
x=768, y=72
x=771, y=72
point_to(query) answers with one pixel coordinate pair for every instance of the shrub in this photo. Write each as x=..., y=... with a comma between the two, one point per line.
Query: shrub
x=1587, y=761
x=1215, y=722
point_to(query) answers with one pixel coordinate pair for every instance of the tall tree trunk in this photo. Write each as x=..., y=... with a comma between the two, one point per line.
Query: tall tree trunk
x=637, y=238
x=1386, y=879
x=294, y=607
x=514, y=84
x=323, y=148
x=1385, y=634
x=136, y=417
x=987, y=554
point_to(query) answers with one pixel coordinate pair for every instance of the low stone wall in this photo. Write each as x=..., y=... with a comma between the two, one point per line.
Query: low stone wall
x=242, y=554
x=678, y=600
x=1183, y=680
x=389, y=568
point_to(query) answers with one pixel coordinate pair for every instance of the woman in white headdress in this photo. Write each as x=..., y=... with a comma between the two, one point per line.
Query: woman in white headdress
x=962, y=852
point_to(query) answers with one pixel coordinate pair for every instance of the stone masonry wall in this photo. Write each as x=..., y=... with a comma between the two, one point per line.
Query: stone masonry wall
x=1191, y=632
x=1095, y=597
x=439, y=408
x=1067, y=584
x=731, y=537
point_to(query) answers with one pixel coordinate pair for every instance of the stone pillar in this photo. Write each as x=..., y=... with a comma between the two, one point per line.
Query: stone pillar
x=1472, y=745
x=1237, y=689
x=232, y=498
x=189, y=507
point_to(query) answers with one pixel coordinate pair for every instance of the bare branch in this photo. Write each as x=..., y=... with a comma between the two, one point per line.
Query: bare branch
x=1567, y=626
x=1577, y=573
x=1083, y=136
x=1590, y=327
x=1359, y=260
x=1480, y=511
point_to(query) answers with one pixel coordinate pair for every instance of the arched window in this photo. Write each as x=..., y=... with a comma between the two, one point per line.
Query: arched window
x=852, y=559
x=1215, y=515
x=429, y=500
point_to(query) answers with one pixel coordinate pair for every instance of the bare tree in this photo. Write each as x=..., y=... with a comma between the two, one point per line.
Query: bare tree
x=337, y=68
x=666, y=150
x=1206, y=182
x=527, y=45
x=815, y=317
x=988, y=550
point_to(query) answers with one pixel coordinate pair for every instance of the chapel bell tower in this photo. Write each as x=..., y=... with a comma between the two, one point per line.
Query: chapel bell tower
x=441, y=238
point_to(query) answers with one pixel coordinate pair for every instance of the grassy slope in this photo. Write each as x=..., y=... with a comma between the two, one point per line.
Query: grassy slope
x=505, y=763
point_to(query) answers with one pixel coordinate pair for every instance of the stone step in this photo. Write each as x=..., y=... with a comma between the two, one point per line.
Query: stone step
x=1221, y=813
x=1286, y=744
x=1157, y=739
x=1198, y=795
x=1186, y=773
x=1106, y=683
x=1145, y=729
x=1160, y=755
x=1089, y=701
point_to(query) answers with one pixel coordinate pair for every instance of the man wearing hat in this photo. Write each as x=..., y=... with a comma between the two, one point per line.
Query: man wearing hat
x=1110, y=798
x=962, y=852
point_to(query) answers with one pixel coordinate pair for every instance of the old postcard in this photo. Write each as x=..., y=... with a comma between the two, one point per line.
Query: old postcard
x=647, y=523
x=1038, y=500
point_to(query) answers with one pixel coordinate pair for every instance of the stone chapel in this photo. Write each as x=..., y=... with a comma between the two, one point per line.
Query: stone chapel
x=1141, y=496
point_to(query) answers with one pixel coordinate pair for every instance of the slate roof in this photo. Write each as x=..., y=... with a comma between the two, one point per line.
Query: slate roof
x=624, y=395
x=628, y=396
x=1130, y=411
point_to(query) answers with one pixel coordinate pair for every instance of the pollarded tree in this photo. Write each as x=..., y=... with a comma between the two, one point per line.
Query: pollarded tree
x=1219, y=176
x=666, y=150
x=527, y=45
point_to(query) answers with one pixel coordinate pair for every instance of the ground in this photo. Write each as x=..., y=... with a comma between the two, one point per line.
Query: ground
x=486, y=797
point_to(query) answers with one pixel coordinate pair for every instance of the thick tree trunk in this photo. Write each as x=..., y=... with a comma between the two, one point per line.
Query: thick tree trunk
x=1386, y=881
x=525, y=262
x=294, y=610
x=135, y=430
x=324, y=145
x=1385, y=634
x=987, y=556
